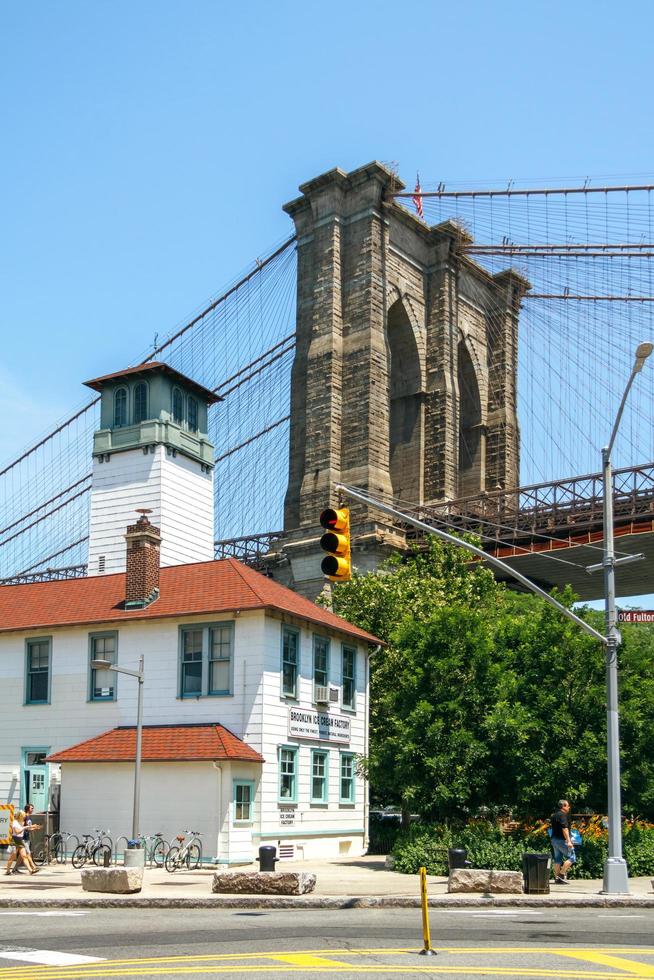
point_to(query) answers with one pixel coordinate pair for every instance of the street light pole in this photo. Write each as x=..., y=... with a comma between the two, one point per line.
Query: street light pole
x=107, y=665
x=616, y=879
x=137, y=757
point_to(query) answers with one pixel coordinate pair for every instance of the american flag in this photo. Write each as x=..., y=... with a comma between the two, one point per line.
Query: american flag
x=417, y=200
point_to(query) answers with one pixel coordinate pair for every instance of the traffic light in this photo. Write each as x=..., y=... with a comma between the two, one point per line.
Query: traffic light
x=335, y=541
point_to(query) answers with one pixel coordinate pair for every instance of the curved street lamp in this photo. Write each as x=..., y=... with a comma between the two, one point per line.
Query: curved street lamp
x=107, y=665
x=615, y=868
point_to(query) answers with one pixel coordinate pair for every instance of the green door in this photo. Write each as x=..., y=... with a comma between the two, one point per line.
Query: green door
x=35, y=779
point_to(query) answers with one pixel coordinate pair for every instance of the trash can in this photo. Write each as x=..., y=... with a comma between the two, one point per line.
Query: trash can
x=267, y=857
x=134, y=855
x=456, y=858
x=536, y=873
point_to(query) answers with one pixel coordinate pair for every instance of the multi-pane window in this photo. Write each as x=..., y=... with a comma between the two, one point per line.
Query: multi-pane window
x=191, y=663
x=243, y=801
x=140, y=402
x=206, y=655
x=287, y=774
x=347, y=778
x=320, y=663
x=349, y=677
x=290, y=658
x=37, y=671
x=319, y=775
x=220, y=654
x=192, y=414
x=120, y=407
x=103, y=646
x=178, y=406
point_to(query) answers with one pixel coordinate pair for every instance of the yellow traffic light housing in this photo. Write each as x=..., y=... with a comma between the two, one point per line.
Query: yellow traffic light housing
x=336, y=564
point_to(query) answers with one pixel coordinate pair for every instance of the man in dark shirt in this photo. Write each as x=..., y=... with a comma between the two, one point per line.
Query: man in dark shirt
x=564, y=852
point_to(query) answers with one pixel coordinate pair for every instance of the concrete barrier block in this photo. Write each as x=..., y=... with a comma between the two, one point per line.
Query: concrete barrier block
x=120, y=881
x=263, y=882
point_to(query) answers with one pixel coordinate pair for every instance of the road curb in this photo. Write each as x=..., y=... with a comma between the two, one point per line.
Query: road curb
x=308, y=902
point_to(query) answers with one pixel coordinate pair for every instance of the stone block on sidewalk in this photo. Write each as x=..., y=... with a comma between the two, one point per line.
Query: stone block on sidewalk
x=480, y=880
x=506, y=881
x=468, y=880
x=118, y=881
x=263, y=882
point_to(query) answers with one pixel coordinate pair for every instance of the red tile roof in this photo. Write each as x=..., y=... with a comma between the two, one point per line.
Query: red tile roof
x=98, y=383
x=161, y=743
x=204, y=587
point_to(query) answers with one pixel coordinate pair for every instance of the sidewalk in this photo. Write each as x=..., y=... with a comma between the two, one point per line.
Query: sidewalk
x=341, y=883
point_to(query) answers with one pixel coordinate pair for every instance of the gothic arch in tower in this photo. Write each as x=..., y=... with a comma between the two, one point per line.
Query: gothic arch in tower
x=406, y=416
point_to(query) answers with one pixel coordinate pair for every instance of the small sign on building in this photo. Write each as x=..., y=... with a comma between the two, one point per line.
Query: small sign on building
x=318, y=725
x=636, y=615
x=287, y=816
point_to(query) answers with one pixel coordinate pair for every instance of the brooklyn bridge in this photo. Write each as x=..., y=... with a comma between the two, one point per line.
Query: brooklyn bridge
x=466, y=366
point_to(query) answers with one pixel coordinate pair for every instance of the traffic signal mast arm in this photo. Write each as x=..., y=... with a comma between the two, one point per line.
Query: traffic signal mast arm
x=461, y=543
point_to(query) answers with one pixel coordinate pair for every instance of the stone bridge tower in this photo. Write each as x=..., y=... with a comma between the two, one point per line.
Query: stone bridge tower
x=404, y=379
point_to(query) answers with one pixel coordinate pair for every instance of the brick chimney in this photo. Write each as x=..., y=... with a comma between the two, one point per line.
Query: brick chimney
x=142, y=577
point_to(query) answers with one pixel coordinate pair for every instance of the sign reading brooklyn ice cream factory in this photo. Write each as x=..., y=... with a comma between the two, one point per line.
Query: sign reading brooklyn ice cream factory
x=319, y=725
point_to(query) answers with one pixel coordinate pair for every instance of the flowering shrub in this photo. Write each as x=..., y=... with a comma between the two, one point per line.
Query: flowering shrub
x=426, y=845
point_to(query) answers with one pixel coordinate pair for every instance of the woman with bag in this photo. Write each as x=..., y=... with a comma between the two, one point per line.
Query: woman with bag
x=20, y=851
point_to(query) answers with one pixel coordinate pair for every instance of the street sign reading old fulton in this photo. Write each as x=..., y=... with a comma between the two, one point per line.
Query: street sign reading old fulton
x=636, y=615
x=318, y=725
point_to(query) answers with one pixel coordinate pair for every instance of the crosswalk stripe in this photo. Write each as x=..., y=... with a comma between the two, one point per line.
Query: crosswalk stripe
x=48, y=957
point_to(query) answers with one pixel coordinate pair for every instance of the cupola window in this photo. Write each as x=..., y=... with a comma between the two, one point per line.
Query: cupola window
x=120, y=407
x=192, y=414
x=178, y=406
x=140, y=402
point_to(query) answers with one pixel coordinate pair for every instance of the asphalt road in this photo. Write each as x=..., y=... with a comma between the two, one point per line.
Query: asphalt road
x=562, y=943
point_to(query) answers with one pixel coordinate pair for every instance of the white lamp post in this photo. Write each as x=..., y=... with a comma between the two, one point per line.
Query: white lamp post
x=615, y=868
x=107, y=665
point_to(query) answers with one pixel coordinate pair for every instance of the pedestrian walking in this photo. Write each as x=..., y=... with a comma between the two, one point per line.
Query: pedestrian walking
x=28, y=827
x=562, y=846
x=20, y=852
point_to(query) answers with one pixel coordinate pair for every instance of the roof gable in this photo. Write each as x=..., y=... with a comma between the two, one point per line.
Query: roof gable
x=161, y=743
x=204, y=588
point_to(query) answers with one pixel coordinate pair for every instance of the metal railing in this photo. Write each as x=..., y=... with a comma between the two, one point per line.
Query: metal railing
x=555, y=509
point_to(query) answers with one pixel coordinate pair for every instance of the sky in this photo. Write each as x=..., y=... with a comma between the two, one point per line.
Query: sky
x=148, y=147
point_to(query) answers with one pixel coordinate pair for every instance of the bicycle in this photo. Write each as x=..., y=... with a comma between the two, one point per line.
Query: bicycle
x=188, y=854
x=156, y=848
x=93, y=849
x=51, y=850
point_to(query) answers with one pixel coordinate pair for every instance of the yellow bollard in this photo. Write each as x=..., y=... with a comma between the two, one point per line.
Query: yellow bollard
x=426, y=938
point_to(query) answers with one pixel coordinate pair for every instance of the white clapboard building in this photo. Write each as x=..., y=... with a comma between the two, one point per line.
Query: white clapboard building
x=255, y=698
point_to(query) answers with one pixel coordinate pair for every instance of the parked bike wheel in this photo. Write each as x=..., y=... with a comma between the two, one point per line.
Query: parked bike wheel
x=159, y=852
x=194, y=857
x=80, y=856
x=40, y=856
x=172, y=859
x=99, y=853
x=58, y=851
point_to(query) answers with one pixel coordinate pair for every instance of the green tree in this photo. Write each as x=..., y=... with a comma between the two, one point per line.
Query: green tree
x=483, y=697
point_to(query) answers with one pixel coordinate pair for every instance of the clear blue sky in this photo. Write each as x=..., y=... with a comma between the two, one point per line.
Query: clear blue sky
x=148, y=146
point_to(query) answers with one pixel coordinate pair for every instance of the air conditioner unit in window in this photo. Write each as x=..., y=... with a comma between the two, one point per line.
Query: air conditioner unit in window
x=333, y=695
x=322, y=694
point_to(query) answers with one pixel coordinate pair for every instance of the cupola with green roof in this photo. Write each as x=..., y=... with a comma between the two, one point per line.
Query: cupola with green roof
x=153, y=404
x=152, y=451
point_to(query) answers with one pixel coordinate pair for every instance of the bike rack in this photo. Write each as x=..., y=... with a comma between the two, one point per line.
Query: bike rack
x=115, y=850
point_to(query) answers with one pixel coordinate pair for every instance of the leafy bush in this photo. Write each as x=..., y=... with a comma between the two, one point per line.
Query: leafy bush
x=426, y=846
